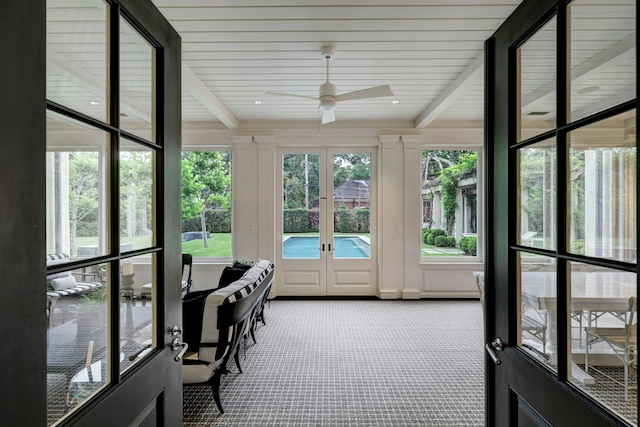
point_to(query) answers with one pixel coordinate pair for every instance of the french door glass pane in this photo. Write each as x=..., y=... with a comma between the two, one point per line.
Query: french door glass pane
x=137, y=201
x=603, y=55
x=77, y=167
x=537, y=82
x=537, y=196
x=136, y=83
x=77, y=55
x=351, y=202
x=537, y=311
x=301, y=206
x=603, y=336
x=136, y=314
x=77, y=334
x=602, y=190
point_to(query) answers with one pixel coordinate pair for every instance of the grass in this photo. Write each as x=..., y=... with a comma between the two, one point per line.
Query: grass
x=219, y=244
x=439, y=253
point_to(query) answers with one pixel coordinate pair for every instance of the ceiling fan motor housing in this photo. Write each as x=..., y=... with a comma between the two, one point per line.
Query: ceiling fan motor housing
x=327, y=103
x=327, y=89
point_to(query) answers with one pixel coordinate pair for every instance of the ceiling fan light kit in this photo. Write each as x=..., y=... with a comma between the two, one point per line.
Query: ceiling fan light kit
x=328, y=95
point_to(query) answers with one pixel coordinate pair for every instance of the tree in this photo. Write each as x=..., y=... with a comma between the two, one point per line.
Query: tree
x=83, y=194
x=206, y=185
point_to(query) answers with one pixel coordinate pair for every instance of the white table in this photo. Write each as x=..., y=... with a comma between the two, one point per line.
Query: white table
x=597, y=291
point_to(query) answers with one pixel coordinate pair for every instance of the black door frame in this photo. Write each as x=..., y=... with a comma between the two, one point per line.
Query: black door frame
x=152, y=388
x=519, y=379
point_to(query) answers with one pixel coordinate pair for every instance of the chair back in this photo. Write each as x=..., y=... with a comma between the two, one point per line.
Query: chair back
x=187, y=261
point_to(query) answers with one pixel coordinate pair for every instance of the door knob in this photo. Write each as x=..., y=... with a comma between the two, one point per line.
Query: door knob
x=496, y=344
x=177, y=344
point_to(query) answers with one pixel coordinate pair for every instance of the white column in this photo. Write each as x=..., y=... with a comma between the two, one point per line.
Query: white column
x=266, y=197
x=390, y=218
x=413, y=284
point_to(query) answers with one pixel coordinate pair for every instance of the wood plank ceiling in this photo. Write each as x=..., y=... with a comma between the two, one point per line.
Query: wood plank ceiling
x=430, y=53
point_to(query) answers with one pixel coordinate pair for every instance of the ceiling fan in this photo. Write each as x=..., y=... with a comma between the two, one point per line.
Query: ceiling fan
x=328, y=97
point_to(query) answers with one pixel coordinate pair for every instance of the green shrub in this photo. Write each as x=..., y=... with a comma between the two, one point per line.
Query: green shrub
x=429, y=239
x=464, y=241
x=295, y=220
x=472, y=246
x=577, y=247
x=440, y=241
x=363, y=222
x=425, y=234
x=345, y=220
x=451, y=241
x=438, y=232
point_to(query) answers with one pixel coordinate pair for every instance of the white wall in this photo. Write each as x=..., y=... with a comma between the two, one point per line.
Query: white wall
x=400, y=272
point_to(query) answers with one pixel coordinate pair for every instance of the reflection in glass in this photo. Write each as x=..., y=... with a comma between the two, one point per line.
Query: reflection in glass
x=537, y=195
x=76, y=56
x=537, y=334
x=137, y=283
x=76, y=188
x=603, y=55
x=602, y=159
x=603, y=336
x=137, y=202
x=351, y=201
x=537, y=82
x=77, y=332
x=301, y=206
x=136, y=83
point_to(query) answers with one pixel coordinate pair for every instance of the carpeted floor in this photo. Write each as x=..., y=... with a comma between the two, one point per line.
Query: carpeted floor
x=354, y=363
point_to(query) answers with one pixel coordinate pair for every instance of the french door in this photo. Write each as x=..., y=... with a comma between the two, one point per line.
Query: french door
x=326, y=229
x=561, y=270
x=91, y=125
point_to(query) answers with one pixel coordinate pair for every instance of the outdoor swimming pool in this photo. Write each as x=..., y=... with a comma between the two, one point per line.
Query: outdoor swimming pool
x=308, y=247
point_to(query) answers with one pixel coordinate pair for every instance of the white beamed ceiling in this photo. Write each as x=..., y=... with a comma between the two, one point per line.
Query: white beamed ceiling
x=430, y=52
x=241, y=49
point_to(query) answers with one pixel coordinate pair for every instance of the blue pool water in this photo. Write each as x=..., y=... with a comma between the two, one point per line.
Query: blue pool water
x=308, y=247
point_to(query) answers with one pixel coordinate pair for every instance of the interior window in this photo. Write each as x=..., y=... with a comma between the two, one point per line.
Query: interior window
x=449, y=193
x=206, y=204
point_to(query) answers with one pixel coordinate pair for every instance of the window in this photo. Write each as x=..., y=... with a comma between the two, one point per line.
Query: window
x=449, y=192
x=206, y=204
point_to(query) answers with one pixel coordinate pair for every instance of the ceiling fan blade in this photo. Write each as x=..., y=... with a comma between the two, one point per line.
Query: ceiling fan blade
x=293, y=94
x=372, y=92
x=328, y=116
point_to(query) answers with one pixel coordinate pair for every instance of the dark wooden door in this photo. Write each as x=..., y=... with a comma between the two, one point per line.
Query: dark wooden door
x=561, y=213
x=49, y=117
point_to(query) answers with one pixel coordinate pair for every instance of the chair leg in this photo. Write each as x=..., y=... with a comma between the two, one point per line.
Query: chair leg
x=586, y=351
x=252, y=331
x=215, y=388
x=236, y=357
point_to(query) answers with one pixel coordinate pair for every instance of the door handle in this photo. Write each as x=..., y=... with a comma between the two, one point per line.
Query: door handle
x=177, y=344
x=323, y=247
x=496, y=344
x=329, y=247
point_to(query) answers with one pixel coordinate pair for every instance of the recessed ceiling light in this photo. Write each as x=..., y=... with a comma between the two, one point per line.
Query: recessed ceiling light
x=587, y=90
x=257, y=102
x=94, y=103
x=395, y=101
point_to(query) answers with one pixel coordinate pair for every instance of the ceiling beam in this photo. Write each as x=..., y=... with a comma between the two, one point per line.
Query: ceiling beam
x=202, y=93
x=466, y=78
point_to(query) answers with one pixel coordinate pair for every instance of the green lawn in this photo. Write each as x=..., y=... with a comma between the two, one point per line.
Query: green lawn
x=219, y=244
